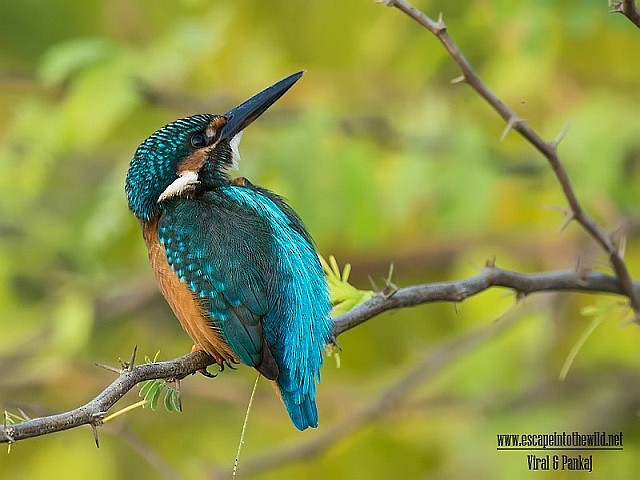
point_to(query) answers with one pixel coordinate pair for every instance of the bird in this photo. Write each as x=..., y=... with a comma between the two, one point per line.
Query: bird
x=233, y=260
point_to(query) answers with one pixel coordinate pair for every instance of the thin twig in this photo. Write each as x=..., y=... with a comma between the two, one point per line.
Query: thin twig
x=88, y=413
x=456, y=291
x=547, y=149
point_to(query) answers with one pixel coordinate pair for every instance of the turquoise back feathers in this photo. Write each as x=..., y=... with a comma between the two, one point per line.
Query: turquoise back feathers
x=250, y=260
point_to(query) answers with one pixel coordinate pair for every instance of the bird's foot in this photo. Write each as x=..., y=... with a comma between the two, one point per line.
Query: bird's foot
x=228, y=362
x=203, y=371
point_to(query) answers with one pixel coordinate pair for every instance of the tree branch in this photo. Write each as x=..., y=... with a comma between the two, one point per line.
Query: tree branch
x=522, y=284
x=548, y=149
x=93, y=412
x=628, y=9
x=457, y=291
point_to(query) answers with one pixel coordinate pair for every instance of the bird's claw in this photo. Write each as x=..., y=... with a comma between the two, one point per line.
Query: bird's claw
x=206, y=373
x=203, y=371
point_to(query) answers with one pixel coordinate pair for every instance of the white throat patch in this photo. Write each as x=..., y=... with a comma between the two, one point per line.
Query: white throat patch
x=234, y=143
x=185, y=183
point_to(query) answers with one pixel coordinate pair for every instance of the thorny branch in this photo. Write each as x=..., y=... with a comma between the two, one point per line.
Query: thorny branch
x=628, y=9
x=455, y=291
x=548, y=149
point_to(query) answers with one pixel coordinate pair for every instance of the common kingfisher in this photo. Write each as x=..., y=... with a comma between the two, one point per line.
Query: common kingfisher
x=233, y=260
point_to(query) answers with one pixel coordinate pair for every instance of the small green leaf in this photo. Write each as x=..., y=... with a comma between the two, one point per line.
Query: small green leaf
x=146, y=387
x=346, y=272
x=175, y=398
x=151, y=390
x=172, y=400
x=342, y=294
x=168, y=405
x=154, y=395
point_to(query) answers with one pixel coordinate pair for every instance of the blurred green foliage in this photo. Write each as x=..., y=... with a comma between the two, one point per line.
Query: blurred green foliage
x=386, y=162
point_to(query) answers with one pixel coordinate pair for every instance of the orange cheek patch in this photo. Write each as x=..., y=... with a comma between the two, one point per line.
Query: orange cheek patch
x=194, y=162
x=215, y=125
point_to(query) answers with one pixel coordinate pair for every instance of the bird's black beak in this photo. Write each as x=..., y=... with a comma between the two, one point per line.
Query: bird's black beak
x=240, y=117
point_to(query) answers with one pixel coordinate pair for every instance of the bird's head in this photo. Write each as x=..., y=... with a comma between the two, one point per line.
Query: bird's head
x=193, y=153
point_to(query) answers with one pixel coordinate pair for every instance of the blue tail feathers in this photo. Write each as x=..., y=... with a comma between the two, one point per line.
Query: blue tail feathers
x=303, y=414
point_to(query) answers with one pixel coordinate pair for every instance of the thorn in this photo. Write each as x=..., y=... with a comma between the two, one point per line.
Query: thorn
x=568, y=218
x=389, y=289
x=514, y=120
x=95, y=423
x=334, y=341
x=440, y=26
x=622, y=247
x=568, y=214
x=389, y=275
x=561, y=134
x=616, y=8
x=386, y=3
x=456, y=307
x=374, y=286
x=132, y=360
x=459, y=79
x=95, y=435
x=24, y=415
x=108, y=367
x=490, y=269
x=581, y=271
x=520, y=296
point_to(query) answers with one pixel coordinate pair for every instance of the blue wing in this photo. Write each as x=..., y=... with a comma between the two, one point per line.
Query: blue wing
x=222, y=254
x=247, y=256
x=298, y=325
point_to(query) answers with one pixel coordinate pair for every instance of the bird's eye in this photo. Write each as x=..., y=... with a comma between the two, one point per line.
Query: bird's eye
x=198, y=140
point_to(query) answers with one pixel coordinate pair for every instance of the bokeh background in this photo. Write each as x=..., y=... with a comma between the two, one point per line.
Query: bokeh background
x=388, y=163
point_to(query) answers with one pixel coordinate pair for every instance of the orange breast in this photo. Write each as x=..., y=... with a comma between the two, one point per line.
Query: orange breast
x=185, y=305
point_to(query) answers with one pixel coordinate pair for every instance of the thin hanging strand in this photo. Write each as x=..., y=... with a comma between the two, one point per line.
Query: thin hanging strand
x=244, y=426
